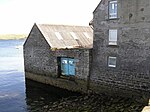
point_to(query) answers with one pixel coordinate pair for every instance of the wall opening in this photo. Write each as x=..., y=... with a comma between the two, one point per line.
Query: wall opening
x=66, y=66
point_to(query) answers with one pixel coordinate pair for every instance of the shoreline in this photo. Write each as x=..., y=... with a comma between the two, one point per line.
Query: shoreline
x=13, y=39
x=13, y=36
x=95, y=103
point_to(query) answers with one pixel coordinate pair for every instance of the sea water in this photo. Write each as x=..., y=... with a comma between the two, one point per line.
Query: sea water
x=18, y=94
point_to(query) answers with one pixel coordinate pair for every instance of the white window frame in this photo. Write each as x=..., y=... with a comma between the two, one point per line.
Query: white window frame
x=110, y=58
x=113, y=14
x=113, y=36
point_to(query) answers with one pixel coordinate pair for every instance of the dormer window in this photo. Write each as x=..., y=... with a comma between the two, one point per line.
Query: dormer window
x=113, y=9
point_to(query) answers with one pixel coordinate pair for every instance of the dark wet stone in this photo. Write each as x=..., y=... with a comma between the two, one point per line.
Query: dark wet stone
x=96, y=103
x=46, y=106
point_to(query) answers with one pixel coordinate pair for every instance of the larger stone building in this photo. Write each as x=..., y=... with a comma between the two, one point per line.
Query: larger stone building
x=121, y=47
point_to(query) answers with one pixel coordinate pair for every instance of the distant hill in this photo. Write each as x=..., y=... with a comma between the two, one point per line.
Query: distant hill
x=12, y=36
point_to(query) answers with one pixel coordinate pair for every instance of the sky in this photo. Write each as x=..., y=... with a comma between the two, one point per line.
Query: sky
x=18, y=16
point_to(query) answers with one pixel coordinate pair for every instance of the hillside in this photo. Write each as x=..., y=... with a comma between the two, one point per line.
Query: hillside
x=12, y=36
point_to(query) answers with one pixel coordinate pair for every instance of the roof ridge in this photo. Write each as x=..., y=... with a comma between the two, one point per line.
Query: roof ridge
x=62, y=25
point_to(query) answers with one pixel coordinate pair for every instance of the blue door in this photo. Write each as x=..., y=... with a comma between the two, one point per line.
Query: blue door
x=71, y=67
x=67, y=66
x=64, y=66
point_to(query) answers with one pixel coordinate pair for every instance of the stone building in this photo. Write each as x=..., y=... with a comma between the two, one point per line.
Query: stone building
x=59, y=55
x=121, y=46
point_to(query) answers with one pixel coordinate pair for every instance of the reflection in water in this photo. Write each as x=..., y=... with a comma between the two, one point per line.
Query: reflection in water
x=40, y=95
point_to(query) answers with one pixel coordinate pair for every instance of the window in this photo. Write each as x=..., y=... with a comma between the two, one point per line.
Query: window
x=113, y=37
x=67, y=66
x=113, y=9
x=111, y=61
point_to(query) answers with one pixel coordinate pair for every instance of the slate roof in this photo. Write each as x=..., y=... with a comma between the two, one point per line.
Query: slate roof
x=65, y=36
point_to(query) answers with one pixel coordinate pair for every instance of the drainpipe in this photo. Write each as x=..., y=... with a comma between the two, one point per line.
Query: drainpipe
x=89, y=73
x=90, y=62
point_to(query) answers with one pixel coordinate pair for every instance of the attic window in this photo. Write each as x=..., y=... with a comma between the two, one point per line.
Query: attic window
x=85, y=33
x=58, y=35
x=113, y=9
x=73, y=35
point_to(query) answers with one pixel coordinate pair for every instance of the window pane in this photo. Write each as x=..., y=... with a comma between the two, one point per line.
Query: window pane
x=112, y=61
x=113, y=9
x=64, y=61
x=112, y=37
x=112, y=6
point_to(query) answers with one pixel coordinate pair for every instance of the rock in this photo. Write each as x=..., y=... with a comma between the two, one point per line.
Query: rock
x=46, y=106
x=54, y=106
x=149, y=102
x=36, y=101
x=146, y=109
x=86, y=97
x=41, y=98
x=59, y=107
x=76, y=100
x=55, y=103
x=94, y=103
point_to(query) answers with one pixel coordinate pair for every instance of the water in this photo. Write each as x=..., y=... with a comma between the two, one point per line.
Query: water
x=18, y=94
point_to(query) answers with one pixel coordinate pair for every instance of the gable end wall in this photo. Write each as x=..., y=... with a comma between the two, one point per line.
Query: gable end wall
x=132, y=51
